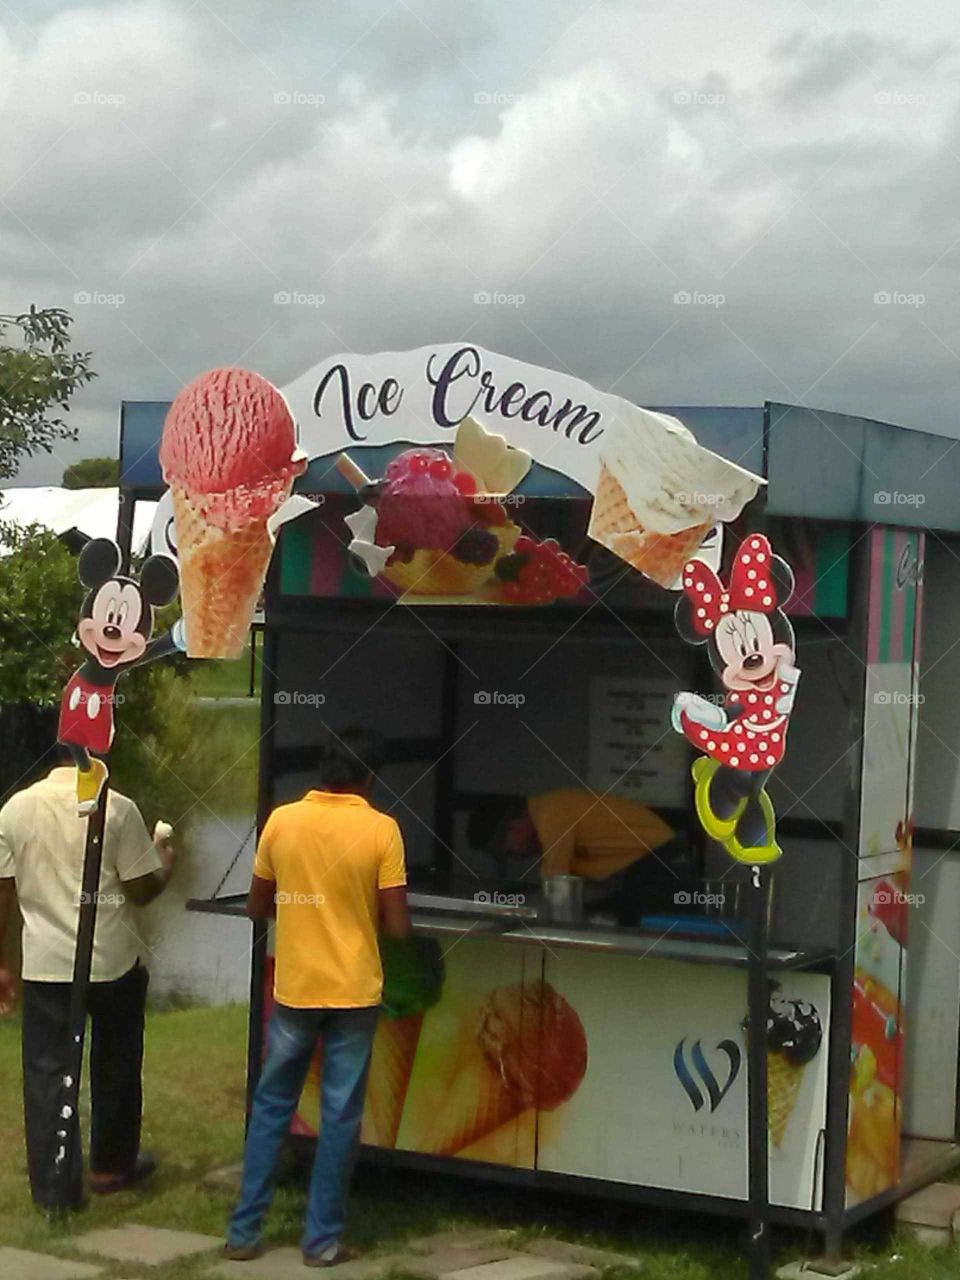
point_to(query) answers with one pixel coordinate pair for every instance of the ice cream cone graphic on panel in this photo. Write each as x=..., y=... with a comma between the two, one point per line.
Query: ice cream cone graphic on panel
x=524, y=1050
x=413, y=982
x=229, y=455
x=794, y=1038
x=394, y=1052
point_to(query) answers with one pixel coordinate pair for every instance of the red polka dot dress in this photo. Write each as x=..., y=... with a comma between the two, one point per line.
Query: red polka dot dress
x=755, y=740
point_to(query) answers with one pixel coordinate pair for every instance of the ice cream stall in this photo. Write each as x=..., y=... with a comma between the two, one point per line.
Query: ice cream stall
x=512, y=576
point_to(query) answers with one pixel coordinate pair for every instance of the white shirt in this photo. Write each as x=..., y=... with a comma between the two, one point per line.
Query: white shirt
x=42, y=844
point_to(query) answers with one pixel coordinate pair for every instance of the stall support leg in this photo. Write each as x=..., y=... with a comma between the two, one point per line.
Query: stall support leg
x=758, y=987
x=67, y=1158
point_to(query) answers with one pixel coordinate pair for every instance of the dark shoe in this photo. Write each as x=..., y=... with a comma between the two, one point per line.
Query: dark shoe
x=343, y=1254
x=145, y=1168
x=242, y=1252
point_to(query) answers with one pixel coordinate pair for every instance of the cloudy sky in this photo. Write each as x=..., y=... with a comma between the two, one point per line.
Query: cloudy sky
x=791, y=166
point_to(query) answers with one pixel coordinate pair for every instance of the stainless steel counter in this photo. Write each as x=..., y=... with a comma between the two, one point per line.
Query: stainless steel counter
x=453, y=917
x=506, y=927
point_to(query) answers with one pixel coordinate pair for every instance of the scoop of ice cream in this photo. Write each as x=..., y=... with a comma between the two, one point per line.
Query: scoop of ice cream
x=793, y=1029
x=535, y=1041
x=419, y=504
x=229, y=441
x=412, y=975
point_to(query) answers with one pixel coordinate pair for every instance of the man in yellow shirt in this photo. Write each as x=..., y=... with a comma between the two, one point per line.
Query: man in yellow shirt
x=574, y=831
x=331, y=869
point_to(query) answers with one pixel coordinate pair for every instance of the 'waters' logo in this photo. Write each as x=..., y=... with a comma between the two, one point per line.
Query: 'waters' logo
x=706, y=1089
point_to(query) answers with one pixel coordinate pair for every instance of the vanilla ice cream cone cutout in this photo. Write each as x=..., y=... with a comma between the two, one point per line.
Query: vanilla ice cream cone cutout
x=114, y=630
x=752, y=649
x=229, y=453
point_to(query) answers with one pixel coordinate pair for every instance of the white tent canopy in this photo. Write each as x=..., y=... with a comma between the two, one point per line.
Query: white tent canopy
x=92, y=512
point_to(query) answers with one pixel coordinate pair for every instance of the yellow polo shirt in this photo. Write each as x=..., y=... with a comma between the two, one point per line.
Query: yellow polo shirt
x=329, y=854
x=583, y=833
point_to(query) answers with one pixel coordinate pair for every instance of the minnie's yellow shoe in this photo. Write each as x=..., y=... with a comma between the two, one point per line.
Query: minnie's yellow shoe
x=703, y=770
x=89, y=786
x=756, y=855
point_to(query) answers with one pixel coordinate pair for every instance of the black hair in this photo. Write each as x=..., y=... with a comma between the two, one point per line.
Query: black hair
x=350, y=757
x=488, y=820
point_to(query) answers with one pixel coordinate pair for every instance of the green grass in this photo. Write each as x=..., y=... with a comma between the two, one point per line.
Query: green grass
x=193, y=1119
x=212, y=679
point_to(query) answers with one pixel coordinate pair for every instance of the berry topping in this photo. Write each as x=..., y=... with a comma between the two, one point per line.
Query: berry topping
x=419, y=463
x=476, y=546
x=441, y=469
x=466, y=482
x=539, y=573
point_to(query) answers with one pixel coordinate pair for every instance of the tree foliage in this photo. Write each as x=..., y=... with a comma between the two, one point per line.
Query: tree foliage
x=92, y=473
x=39, y=375
x=179, y=759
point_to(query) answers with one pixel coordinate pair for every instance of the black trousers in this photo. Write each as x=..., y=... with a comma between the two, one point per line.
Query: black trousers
x=116, y=1012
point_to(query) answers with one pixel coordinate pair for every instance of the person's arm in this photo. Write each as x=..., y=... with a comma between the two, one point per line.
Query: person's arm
x=8, y=979
x=394, y=912
x=141, y=890
x=392, y=885
x=8, y=899
x=262, y=899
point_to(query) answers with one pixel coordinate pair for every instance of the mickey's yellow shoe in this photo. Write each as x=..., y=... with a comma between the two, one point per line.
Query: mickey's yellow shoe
x=754, y=855
x=89, y=786
x=717, y=828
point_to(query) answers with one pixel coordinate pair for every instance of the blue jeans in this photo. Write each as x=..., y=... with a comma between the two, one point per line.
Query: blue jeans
x=347, y=1036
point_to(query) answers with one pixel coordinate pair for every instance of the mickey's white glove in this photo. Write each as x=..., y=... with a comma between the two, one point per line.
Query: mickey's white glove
x=787, y=674
x=699, y=710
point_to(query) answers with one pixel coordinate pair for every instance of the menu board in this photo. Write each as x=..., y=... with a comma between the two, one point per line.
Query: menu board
x=633, y=749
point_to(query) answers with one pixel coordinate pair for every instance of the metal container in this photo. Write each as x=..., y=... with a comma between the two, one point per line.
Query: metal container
x=563, y=899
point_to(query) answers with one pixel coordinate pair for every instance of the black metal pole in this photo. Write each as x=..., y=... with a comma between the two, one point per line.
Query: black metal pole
x=67, y=1157
x=758, y=996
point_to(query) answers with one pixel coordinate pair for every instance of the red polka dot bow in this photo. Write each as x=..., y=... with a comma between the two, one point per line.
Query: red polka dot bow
x=751, y=585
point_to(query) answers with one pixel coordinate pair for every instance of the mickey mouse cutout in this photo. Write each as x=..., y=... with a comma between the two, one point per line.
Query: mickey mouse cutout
x=116, y=622
x=751, y=646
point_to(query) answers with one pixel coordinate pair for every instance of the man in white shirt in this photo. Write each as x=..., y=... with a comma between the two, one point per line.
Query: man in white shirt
x=41, y=861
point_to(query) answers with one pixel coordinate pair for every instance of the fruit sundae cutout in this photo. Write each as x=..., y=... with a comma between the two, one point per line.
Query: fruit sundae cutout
x=436, y=525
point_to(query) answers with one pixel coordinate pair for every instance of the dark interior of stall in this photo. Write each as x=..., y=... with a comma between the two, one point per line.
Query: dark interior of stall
x=481, y=706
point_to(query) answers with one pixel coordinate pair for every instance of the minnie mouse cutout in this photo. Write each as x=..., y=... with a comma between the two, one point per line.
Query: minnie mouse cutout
x=116, y=621
x=751, y=646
